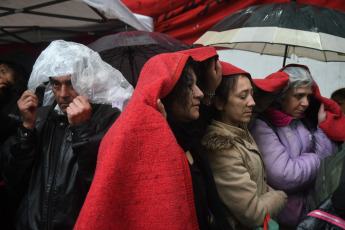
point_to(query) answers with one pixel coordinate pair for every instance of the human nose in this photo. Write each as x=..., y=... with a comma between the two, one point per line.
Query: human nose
x=251, y=102
x=198, y=93
x=64, y=91
x=305, y=101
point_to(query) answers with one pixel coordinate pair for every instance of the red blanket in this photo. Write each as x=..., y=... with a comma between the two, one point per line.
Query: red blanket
x=142, y=179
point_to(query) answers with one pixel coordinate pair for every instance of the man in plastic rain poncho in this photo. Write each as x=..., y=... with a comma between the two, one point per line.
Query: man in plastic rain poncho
x=49, y=164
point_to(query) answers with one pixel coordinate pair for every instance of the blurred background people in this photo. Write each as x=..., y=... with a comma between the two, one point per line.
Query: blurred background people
x=339, y=97
x=15, y=69
x=235, y=159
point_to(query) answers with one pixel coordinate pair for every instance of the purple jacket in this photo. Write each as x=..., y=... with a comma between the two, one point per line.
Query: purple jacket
x=292, y=162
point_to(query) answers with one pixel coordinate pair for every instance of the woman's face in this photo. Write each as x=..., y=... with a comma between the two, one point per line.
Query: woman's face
x=191, y=111
x=6, y=76
x=239, y=105
x=297, y=101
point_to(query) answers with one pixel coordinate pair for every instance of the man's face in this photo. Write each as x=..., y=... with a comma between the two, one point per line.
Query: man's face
x=63, y=91
x=6, y=76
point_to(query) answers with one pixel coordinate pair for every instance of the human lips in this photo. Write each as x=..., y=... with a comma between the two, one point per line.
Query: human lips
x=248, y=112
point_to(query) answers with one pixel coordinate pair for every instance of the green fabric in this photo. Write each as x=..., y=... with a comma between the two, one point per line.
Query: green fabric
x=327, y=179
x=272, y=225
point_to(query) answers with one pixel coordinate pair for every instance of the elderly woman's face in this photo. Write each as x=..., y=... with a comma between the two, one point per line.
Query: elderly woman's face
x=6, y=76
x=297, y=101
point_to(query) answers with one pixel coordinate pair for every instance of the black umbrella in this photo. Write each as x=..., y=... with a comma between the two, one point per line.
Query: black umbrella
x=129, y=51
x=282, y=29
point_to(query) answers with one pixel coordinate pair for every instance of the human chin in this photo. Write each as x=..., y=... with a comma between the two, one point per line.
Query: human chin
x=63, y=107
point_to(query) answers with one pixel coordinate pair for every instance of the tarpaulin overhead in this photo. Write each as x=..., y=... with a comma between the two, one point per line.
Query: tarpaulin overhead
x=187, y=20
x=28, y=22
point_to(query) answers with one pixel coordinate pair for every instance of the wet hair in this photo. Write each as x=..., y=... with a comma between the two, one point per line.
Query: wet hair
x=338, y=93
x=299, y=77
x=183, y=87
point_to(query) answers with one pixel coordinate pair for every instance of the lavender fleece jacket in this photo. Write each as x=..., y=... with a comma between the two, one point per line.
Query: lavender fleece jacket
x=292, y=163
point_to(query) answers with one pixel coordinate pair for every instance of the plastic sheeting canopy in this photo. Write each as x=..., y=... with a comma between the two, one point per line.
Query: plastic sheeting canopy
x=91, y=77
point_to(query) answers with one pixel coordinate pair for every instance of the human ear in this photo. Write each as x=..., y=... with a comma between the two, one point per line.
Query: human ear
x=218, y=103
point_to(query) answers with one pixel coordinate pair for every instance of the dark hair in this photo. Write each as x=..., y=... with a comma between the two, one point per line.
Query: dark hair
x=338, y=93
x=228, y=84
x=183, y=87
x=20, y=78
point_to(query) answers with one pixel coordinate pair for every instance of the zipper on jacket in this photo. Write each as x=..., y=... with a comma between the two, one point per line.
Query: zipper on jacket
x=52, y=178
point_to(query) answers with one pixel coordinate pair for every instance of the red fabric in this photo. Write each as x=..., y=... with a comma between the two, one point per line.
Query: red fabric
x=188, y=20
x=142, y=179
x=229, y=69
x=277, y=117
x=334, y=125
x=273, y=82
x=201, y=54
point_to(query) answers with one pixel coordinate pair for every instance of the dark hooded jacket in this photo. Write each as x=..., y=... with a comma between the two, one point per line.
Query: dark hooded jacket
x=57, y=163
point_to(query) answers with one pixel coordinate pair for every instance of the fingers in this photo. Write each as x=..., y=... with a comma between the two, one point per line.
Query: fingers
x=322, y=116
x=78, y=105
x=218, y=68
x=322, y=107
x=161, y=108
x=79, y=110
x=28, y=107
x=27, y=101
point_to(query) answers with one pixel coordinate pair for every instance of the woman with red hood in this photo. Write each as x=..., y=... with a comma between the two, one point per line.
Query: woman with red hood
x=235, y=159
x=152, y=172
x=293, y=135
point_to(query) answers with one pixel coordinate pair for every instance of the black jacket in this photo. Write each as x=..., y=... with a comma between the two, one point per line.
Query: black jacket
x=206, y=198
x=57, y=163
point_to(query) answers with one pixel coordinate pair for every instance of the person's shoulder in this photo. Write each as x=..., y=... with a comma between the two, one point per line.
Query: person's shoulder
x=100, y=108
x=217, y=138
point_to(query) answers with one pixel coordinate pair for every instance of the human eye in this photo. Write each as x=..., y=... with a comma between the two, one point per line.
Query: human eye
x=55, y=84
x=298, y=96
x=243, y=96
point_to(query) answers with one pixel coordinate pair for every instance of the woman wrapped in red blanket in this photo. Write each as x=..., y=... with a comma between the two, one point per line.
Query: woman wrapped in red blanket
x=152, y=172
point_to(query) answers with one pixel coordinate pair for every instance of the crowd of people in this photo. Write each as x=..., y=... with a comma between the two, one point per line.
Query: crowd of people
x=198, y=144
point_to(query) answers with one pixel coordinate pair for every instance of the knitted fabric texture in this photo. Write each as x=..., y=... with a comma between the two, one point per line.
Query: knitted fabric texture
x=201, y=54
x=228, y=69
x=277, y=117
x=142, y=179
x=273, y=82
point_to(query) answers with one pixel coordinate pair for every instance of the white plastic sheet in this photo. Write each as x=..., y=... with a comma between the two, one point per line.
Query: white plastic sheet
x=90, y=75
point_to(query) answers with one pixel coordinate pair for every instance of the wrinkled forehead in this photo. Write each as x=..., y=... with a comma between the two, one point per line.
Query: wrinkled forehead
x=61, y=79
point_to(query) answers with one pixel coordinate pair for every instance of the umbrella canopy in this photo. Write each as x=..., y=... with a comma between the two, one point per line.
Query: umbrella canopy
x=36, y=21
x=129, y=51
x=282, y=29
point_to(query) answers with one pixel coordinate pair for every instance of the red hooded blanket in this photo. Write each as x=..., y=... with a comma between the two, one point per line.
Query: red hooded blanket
x=333, y=126
x=142, y=179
